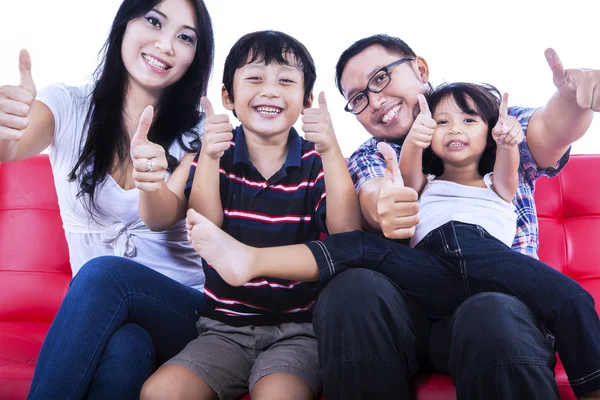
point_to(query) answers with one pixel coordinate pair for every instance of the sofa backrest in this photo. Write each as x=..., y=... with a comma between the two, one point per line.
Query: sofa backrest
x=34, y=259
x=569, y=211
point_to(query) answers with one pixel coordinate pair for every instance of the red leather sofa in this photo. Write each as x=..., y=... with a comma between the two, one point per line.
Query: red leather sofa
x=35, y=271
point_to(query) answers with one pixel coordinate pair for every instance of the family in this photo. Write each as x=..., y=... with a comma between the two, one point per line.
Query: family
x=213, y=257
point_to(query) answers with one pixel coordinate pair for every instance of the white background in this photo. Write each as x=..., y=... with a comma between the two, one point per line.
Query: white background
x=501, y=43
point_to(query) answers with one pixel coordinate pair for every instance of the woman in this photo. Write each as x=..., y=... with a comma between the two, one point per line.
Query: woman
x=135, y=304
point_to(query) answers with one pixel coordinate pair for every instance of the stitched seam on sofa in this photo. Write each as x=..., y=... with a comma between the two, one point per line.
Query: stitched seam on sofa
x=585, y=379
x=362, y=359
x=506, y=361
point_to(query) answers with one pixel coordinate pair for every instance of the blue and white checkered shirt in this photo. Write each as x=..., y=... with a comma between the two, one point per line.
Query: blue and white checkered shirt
x=367, y=163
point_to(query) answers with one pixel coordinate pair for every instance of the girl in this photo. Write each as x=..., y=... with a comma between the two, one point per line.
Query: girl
x=464, y=237
x=121, y=314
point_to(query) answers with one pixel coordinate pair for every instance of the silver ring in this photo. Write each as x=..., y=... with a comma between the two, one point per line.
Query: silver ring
x=150, y=165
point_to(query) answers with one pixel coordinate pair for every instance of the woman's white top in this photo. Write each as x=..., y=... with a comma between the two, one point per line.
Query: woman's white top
x=444, y=201
x=116, y=227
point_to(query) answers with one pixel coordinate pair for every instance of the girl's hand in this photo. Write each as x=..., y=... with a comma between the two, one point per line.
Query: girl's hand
x=318, y=128
x=508, y=132
x=149, y=159
x=217, y=132
x=424, y=126
x=16, y=101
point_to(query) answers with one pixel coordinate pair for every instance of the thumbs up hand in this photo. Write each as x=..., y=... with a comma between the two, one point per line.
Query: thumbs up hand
x=16, y=101
x=318, y=128
x=149, y=159
x=424, y=126
x=397, y=206
x=218, y=132
x=581, y=84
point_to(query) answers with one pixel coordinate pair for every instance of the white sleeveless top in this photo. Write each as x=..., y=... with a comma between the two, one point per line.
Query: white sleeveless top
x=116, y=228
x=444, y=201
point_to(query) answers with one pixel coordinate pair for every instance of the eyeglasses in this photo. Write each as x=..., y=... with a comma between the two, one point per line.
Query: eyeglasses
x=376, y=84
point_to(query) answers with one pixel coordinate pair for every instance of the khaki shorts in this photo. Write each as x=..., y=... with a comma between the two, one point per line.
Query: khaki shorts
x=232, y=359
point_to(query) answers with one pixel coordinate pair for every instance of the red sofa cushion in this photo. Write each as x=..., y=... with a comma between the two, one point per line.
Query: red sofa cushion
x=35, y=271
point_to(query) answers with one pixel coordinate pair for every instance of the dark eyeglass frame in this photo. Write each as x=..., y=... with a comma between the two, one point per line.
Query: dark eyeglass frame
x=367, y=89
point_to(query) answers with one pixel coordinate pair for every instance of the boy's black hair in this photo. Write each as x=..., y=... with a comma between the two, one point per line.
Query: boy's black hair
x=269, y=46
x=486, y=99
x=390, y=43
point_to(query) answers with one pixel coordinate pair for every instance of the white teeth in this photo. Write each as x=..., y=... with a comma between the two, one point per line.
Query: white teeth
x=154, y=62
x=390, y=114
x=456, y=145
x=268, y=110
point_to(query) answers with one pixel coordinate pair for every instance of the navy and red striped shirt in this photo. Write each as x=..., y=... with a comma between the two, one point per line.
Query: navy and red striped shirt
x=288, y=208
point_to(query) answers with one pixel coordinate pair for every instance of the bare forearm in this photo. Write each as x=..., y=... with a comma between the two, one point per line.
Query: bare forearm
x=564, y=121
x=205, y=197
x=411, y=162
x=506, y=172
x=161, y=208
x=368, y=205
x=344, y=214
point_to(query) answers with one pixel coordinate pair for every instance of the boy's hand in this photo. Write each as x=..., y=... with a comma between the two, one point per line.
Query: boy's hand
x=218, y=132
x=16, y=101
x=149, y=159
x=424, y=126
x=580, y=84
x=508, y=132
x=397, y=206
x=318, y=128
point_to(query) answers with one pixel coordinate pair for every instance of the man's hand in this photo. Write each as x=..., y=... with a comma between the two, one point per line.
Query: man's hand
x=580, y=84
x=397, y=206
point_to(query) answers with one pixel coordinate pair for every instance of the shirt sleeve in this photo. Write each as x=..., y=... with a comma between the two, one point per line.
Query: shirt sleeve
x=319, y=195
x=528, y=170
x=59, y=98
x=365, y=165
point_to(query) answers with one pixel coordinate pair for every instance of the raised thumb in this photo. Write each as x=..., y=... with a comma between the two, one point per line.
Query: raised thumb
x=392, y=172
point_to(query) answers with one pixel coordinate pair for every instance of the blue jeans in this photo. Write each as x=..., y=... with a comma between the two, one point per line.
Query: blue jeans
x=117, y=321
x=462, y=260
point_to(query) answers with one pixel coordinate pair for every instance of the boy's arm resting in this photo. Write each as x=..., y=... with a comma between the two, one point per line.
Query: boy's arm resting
x=35, y=138
x=411, y=161
x=205, y=196
x=567, y=115
x=161, y=208
x=344, y=214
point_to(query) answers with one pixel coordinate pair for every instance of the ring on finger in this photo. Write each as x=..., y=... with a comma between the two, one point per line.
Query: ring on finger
x=150, y=165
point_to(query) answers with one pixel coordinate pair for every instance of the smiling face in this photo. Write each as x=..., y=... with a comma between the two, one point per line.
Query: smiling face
x=159, y=47
x=460, y=138
x=268, y=98
x=390, y=113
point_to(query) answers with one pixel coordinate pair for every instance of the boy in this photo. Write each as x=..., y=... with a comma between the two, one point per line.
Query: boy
x=265, y=186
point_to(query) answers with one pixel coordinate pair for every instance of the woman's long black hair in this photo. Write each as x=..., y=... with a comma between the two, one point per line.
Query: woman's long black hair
x=176, y=115
x=486, y=99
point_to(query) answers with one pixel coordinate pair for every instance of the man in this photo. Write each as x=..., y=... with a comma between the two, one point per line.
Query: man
x=371, y=339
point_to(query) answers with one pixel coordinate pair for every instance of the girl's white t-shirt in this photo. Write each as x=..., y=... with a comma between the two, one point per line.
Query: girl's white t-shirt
x=444, y=201
x=116, y=228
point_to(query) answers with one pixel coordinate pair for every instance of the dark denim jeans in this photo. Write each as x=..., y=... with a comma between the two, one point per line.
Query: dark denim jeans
x=118, y=320
x=468, y=261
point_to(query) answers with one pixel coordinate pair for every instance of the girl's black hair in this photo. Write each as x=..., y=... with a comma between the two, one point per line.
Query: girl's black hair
x=486, y=99
x=269, y=47
x=176, y=115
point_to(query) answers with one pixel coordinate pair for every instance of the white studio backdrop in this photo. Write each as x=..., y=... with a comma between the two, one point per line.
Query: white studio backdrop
x=501, y=43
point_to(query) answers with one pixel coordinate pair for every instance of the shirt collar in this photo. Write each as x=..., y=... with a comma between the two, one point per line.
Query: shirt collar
x=294, y=154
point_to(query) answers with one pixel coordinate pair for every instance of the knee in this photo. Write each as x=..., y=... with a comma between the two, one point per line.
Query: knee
x=495, y=325
x=104, y=273
x=157, y=387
